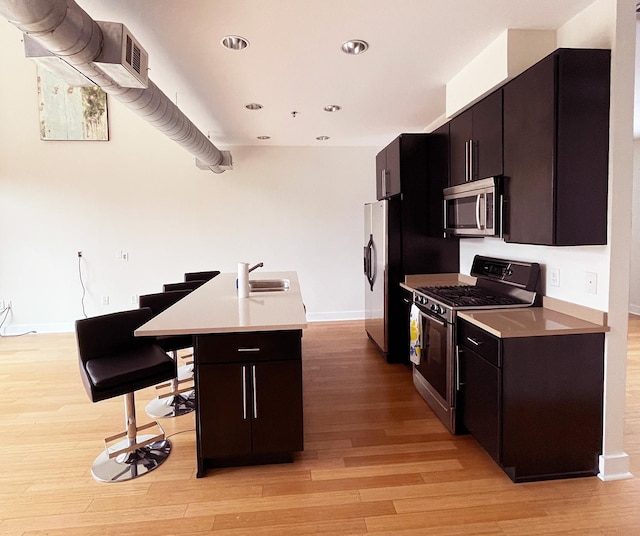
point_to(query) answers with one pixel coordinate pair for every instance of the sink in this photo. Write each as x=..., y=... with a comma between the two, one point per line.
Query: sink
x=268, y=285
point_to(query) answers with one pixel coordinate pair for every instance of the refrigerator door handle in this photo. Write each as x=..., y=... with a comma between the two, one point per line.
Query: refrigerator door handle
x=366, y=261
x=370, y=252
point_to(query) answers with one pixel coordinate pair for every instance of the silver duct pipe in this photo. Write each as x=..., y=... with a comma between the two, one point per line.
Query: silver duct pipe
x=66, y=30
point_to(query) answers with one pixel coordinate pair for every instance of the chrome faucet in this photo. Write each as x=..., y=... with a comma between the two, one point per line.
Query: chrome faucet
x=259, y=265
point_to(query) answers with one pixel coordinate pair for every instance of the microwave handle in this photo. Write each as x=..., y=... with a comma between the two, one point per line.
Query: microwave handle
x=478, y=222
x=444, y=217
x=501, y=222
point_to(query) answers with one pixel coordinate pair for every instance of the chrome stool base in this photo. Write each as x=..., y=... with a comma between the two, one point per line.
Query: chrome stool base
x=172, y=406
x=133, y=464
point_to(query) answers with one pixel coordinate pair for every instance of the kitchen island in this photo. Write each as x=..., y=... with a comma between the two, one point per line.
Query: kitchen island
x=247, y=368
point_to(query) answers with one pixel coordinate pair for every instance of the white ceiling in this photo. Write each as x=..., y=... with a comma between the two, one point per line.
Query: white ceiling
x=294, y=61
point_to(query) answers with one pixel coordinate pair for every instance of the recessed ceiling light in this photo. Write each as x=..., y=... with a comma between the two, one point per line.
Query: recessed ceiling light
x=264, y=137
x=322, y=138
x=253, y=106
x=332, y=108
x=355, y=46
x=234, y=42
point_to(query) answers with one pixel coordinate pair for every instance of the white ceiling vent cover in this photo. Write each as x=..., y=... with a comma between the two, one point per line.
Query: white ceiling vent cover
x=122, y=57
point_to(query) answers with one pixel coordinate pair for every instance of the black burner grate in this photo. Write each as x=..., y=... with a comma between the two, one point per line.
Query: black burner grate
x=468, y=296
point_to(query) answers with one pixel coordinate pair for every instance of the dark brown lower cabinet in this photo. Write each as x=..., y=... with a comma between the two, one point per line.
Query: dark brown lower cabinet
x=534, y=403
x=249, y=398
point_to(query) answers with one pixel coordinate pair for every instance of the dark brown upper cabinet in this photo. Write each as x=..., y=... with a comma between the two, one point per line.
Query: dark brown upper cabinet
x=388, y=164
x=475, y=138
x=556, y=147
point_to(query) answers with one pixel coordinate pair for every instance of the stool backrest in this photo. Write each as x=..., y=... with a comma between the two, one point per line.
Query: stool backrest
x=100, y=336
x=201, y=276
x=187, y=285
x=160, y=301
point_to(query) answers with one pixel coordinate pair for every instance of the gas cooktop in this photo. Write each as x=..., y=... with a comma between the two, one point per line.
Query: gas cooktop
x=500, y=283
x=468, y=296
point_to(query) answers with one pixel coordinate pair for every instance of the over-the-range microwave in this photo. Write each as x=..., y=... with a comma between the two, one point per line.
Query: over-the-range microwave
x=474, y=208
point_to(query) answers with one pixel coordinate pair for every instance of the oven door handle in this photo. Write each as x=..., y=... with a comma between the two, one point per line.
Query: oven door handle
x=432, y=318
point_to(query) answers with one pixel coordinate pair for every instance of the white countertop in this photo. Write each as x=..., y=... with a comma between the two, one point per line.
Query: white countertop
x=215, y=308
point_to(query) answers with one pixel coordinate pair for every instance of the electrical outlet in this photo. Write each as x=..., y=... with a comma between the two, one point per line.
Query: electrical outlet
x=554, y=277
x=105, y=300
x=591, y=282
x=134, y=299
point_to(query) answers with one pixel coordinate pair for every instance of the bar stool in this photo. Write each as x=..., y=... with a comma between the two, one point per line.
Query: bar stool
x=179, y=400
x=113, y=362
x=201, y=276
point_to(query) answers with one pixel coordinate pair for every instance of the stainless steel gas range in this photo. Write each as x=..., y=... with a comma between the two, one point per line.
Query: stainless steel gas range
x=500, y=283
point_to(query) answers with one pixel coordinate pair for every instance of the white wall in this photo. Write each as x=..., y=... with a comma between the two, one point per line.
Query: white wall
x=292, y=208
x=634, y=281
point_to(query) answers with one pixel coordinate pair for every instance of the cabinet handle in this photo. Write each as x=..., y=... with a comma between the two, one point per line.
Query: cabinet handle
x=255, y=392
x=248, y=349
x=473, y=341
x=384, y=183
x=466, y=161
x=458, y=384
x=244, y=392
x=471, y=166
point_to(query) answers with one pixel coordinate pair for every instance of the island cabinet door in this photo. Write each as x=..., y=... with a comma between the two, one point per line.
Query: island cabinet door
x=277, y=407
x=224, y=412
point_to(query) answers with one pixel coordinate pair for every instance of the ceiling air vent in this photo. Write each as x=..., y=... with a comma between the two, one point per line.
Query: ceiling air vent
x=122, y=56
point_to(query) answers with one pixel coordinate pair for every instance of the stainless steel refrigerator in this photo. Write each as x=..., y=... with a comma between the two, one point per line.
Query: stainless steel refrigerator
x=376, y=264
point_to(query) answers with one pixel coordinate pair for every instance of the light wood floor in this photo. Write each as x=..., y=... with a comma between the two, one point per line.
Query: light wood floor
x=376, y=460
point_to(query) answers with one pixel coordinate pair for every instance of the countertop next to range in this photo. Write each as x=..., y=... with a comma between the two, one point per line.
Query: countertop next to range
x=215, y=308
x=555, y=317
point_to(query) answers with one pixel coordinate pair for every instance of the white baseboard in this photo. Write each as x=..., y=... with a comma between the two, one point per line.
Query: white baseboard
x=23, y=329
x=335, y=316
x=614, y=467
x=634, y=309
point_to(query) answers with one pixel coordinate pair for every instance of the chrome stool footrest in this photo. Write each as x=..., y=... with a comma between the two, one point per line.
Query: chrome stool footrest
x=130, y=447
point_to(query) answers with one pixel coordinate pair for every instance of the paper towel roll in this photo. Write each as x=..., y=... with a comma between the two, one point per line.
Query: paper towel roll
x=243, y=280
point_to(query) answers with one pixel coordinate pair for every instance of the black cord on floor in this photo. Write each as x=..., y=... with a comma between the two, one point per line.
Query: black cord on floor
x=6, y=314
x=84, y=290
x=180, y=432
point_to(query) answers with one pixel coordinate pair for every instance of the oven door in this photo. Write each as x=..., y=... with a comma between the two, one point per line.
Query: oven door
x=436, y=363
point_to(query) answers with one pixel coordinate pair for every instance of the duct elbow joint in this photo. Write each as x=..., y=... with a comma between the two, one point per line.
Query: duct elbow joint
x=224, y=165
